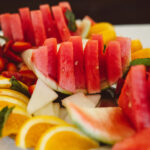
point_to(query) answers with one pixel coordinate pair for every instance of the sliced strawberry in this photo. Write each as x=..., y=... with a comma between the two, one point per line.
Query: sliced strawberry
x=9, y=74
x=11, y=67
x=19, y=47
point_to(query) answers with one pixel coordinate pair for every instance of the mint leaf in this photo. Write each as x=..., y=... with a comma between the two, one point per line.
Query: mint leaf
x=71, y=20
x=15, y=85
x=140, y=61
x=4, y=114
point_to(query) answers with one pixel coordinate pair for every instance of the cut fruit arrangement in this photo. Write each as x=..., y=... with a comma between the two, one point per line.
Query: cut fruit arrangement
x=56, y=83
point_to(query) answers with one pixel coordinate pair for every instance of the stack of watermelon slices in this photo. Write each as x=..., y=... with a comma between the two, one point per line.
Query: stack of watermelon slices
x=75, y=67
x=37, y=25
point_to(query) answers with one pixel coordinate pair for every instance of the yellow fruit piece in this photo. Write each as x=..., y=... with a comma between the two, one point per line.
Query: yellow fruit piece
x=10, y=101
x=143, y=53
x=14, y=94
x=136, y=45
x=65, y=138
x=32, y=130
x=15, y=121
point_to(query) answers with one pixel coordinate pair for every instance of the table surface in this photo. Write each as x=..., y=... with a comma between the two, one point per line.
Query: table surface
x=141, y=32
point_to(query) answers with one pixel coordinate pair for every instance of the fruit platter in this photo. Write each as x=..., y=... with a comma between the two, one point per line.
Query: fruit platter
x=71, y=84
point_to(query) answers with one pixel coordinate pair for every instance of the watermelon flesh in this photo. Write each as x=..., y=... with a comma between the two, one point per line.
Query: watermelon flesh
x=27, y=25
x=51, y=44
x=125, y=45
x=16, y=27
x=139, y=141
x=38, y=26
x=78, y=62
x=108, y=125
x=5, y=25
x=65, y=67
x=113, y=62
x=92, y=67
x=134, y=98
x=60, y=23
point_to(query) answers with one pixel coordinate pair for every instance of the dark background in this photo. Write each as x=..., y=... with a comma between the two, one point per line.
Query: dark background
x=114, y=11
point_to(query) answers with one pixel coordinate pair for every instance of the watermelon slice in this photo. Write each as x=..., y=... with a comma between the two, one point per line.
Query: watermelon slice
x=49, y=23
x=38, y=26
x=125, y=45
x=78, y=62
x=113, y=62
x=65, y=5
x=134, y=98
x=16, y=27
x=92, y=67
x=66, y=78
x=60, y=22
x=27, y=25
x=52, y=57
x=5, y=25
x=139, y=141
x=40, y=59
x=108, y=125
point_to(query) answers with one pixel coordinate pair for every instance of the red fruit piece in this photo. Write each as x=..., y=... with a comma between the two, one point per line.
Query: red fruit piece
x=102, y=63
x=40, y=59
x=125, y=46
x=78, y=62
x=5, y=25
x=139, y=141
x=60, y=22
x=49, y=23
x=66, y=78
x=16, y=27
x=27, y=25
x=65, y=6
x=51, y=57
x=19, y=47
x=31, y=89
x=11, y=67
x=23, y=67
x=113, y=62
x=92, y=67
x=134, y=98
x=148, y=84
x=2, y=64
x=9, y=74
x=38, y=27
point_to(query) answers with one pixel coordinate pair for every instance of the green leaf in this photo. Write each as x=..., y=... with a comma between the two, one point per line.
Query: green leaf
x=140, y=61
x=71, y=20
x=4, y=114
x=16, y=85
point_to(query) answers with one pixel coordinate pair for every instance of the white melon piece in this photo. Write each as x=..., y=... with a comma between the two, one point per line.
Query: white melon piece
x=94, y=98
x=46, y=110
x=41, y=96
x=56, y=108
x=62, y=113
x=80, y=100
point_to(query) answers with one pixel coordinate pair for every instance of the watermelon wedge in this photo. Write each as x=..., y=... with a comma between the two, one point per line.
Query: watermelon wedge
x=38, y=26
x=65, y=5
x=78, y=62
x=113, y=62
x=16, y=27
x=139, y=141
x=66, y=78
x=108, y=125
x=49, y=24
x=134, y=98
x=5, y=25
x=125, y=45
x=52, y=57
x=60, y=22
x=92, y=66
x=27, y=25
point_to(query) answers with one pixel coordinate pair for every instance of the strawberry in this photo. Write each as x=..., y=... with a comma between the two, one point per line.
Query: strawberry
x=11, y=67
x=2, y=64
x=9, y=74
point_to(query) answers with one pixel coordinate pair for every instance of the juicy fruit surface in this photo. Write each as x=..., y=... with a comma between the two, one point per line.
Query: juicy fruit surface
x=74, y=138
x=134, y=98
x=108, y=125
x=139, y=141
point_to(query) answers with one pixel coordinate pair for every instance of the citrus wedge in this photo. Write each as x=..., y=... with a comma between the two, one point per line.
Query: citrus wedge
x=14, y=94
x=15, y=121
x=65, y=138
x=136, y=45
x=11, y=101
x=143, y=53
x=32, y=130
